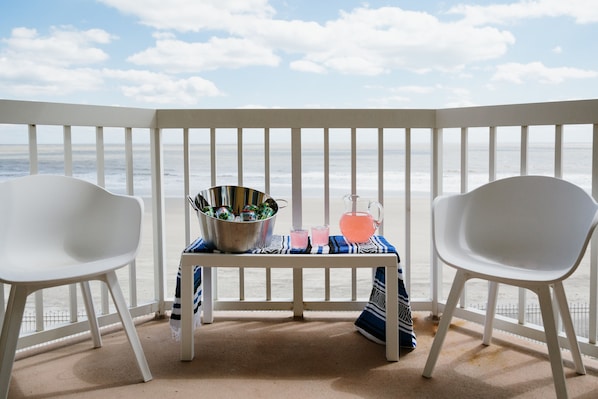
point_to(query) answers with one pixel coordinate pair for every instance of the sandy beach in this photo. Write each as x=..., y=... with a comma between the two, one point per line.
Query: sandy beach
x=418, y=268
x=313, y=214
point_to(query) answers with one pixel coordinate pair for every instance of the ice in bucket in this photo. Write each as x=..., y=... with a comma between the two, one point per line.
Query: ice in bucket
x=236, y=234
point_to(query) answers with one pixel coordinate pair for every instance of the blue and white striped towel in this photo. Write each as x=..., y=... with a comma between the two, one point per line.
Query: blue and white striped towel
x=372, y=321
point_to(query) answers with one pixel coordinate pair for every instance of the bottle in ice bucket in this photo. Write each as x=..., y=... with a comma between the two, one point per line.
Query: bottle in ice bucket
x=251, y=207
x=265, y=211
x=360, y=219
x=249, y=213
x=208, y=210
x=224, y=213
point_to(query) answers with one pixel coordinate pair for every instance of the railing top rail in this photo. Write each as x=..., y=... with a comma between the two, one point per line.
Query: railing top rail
x=549, y=113
x=42, y=113
x=300, y=118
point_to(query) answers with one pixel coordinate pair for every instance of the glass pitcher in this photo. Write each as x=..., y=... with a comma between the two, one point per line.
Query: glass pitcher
x=361, y=218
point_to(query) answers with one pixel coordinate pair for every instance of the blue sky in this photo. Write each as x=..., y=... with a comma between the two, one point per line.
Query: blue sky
x=298, y=53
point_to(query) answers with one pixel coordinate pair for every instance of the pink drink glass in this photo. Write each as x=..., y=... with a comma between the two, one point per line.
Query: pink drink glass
x=319, y=236
x=299, y=238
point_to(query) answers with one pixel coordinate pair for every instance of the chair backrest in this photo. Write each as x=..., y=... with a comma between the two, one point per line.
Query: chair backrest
x=535, y=222
x=53, y=216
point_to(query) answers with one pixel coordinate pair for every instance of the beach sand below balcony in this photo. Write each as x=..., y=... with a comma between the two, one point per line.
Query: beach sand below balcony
x=313, y=215
x=418, y=266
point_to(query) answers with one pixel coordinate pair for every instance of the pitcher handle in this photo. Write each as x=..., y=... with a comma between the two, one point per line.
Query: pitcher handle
x=378, y=219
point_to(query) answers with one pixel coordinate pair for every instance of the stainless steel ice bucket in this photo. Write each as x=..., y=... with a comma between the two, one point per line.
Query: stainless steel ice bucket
x=234, y=236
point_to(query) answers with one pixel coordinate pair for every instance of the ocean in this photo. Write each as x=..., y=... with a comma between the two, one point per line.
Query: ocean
x=577, y=166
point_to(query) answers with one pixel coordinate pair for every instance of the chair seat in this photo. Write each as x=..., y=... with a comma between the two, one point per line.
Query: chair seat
x=55, y=269
x=490, y=268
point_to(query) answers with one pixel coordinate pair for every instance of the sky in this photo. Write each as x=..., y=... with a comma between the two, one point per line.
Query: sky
x=298, y=53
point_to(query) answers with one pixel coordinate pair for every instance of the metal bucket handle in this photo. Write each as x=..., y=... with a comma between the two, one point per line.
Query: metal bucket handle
x=284, y=201
x=192, y=202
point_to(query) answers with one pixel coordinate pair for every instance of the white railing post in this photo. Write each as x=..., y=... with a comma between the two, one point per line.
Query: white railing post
x=101, y=181
x=34, y=169
x=186, y=183
x=464, y=187
x=523, y=168
x=297, y=199
x=68, y=171
x=524, y=150
x=130, y=190
x=492, y=154
x=558, y=151
x=436, y=190
x=158, y=218
x=593, y=316
x=407, y=188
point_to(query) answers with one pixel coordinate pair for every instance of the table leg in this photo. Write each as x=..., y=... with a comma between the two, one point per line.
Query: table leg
x=392, y=313
x=208, y=297
x=187, y=288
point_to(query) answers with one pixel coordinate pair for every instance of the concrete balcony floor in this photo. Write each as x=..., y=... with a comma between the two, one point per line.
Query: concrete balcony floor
x=271, y=355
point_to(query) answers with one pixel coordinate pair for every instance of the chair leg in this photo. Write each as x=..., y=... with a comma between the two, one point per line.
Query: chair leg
x=91, y=315
x=490, y=312
x=552, y=341
x=445, y=322
x=561, y=298
x=10, y=335
x=128, y=325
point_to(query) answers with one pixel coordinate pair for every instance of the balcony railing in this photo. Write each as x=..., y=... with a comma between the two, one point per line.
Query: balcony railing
x=402, y=158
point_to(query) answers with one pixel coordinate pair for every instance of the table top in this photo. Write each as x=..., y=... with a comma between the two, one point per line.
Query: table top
x=282, y=245
x=378, y=252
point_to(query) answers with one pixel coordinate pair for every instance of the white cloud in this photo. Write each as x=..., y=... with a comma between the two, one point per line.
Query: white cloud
x=536, y=71
x=56, y=64
x=64, y=46
x=307, y=66
x=375, y=41
x=457, y=97
x=179, y=56
x=28, y=78
x=401, y=95
x=32, y=65
x=388, y=102
x=159, y=88
x=415, y=89
x=363, y=41
x=193, y=15
x=582, y=11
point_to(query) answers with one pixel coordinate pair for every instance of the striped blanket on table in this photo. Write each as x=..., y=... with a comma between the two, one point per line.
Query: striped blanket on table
x=371, y=322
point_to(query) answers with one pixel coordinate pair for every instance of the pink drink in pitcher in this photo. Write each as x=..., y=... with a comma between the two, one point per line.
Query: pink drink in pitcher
x=358, y=223
x=357, y=227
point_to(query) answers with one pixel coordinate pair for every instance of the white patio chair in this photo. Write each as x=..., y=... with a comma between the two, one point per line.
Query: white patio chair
x=57, y=230
x=526, y=231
